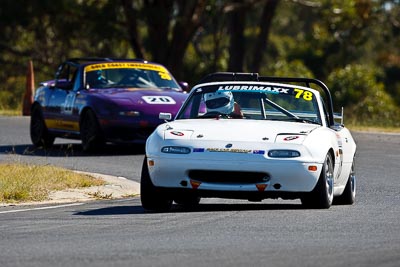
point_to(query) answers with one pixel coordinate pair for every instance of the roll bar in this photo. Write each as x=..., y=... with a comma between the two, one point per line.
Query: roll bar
x=240, y=76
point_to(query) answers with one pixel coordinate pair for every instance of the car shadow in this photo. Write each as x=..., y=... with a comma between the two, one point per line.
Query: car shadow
x=138, y=209
x=72, y=150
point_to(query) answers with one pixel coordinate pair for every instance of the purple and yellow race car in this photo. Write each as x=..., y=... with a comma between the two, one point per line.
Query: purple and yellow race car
x=101, y=100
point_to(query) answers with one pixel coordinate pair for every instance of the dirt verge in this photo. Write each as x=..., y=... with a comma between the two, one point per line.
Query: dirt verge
x=114, y=188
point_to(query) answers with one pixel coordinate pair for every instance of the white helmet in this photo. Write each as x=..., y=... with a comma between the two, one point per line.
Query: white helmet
x=219, y=101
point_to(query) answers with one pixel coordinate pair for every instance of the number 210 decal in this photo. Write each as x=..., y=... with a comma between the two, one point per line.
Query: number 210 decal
x=306, y=95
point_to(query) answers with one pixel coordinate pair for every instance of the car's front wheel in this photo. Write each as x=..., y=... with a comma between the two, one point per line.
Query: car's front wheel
x=91, y=134
x=322, y=195
x=152, y=198
x=40, y=136
x=348, y=196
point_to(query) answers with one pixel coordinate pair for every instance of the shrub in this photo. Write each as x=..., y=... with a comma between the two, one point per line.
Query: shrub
x=11, y=93
x=283, y=68
x=366, y=102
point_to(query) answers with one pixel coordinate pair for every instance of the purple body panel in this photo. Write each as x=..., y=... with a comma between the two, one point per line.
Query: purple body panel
x=147, y=103
x=126, y=97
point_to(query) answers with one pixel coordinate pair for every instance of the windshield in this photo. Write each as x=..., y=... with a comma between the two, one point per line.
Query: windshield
x=252, y=101
x=128, y=75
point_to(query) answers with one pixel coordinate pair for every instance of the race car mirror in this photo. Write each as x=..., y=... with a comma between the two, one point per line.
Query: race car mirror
x=185, y=86
x=165, y=116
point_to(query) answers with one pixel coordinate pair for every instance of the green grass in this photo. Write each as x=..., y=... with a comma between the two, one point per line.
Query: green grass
x=10, y=112
x=373, y=129
x=25, y=182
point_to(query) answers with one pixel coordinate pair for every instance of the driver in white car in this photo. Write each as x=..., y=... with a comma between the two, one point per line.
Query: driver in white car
x=222, y=102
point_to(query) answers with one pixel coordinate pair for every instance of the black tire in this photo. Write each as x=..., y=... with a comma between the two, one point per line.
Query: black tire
x=322, y=195
x=91, y=134
x=187, y=200
x=348, y=196
x=152, y=198
x=39, y=133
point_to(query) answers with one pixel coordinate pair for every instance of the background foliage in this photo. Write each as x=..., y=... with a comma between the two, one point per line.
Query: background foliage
x=352, y=45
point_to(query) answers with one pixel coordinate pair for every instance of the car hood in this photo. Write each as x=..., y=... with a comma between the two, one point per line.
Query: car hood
x=237, y=130
x=154, y=99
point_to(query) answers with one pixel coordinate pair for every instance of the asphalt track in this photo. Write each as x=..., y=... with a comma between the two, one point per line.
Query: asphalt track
x=218, y=233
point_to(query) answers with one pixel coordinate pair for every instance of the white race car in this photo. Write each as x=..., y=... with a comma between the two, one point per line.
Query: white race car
x=244, y=136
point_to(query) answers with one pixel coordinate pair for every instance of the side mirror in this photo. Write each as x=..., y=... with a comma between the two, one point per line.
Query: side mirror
x=50, y=83
x=165, y=116
x=63, y=84
x=184, y=86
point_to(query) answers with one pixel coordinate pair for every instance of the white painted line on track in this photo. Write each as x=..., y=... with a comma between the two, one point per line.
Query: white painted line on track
x=42, y=208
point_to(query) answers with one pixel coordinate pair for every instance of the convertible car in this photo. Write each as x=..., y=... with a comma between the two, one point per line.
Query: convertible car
x=244, y=136
x=101, y=100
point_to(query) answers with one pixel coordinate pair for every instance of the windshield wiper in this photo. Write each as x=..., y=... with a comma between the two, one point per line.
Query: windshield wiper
x=168, y=88
x=298, y=119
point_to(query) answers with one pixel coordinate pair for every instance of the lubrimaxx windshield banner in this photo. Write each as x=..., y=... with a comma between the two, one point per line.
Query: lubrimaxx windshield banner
x=298, y=93
x=276, y=90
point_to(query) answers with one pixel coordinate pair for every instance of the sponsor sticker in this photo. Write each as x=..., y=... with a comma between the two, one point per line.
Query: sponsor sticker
x=270, y=89
x=124, y=65
x=298, y=93
x=130, y=65
x=339, y=140
x=291, y=138
x=231, y=150
x=177, y=133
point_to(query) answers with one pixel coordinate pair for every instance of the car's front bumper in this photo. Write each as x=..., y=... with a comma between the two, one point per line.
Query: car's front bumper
x=280, y=175
x=128, y=130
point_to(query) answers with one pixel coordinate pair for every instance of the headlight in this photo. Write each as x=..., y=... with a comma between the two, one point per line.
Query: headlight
x=175, y=150
x=283, y=153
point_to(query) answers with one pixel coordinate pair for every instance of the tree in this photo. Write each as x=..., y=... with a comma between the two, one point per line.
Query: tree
x=262, y=39
x=240, y=10
x=236, y=31
x=195, y=37
x=171, y=26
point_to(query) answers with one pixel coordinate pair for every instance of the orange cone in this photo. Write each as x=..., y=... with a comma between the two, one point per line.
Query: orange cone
x=29, y=91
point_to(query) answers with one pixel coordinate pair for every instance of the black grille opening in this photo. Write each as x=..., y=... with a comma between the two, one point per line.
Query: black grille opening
x=228, y=177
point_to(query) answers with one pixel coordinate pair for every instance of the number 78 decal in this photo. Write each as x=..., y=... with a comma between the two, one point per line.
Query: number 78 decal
x=306, y=95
